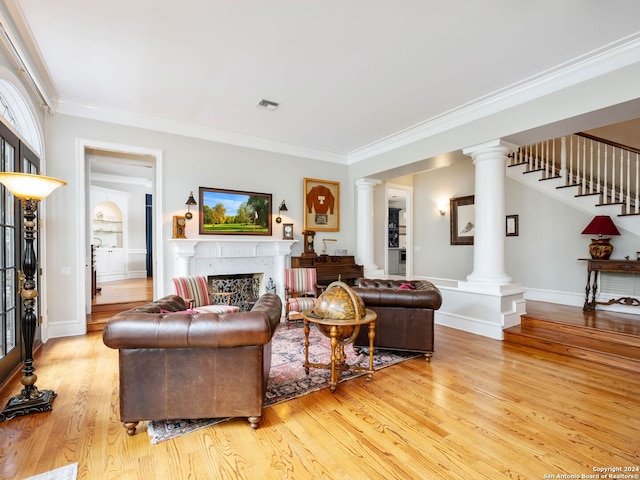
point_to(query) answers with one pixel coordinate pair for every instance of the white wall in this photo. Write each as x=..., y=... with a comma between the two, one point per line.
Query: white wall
x=188, y=164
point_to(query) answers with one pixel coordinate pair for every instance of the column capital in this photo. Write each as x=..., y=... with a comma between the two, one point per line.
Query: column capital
x=367, y=183
x=498, y=144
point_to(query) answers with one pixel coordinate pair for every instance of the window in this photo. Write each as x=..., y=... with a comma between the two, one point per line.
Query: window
x=17, y=123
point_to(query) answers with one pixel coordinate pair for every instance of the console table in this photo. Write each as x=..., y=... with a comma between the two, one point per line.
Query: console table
x=594, y=267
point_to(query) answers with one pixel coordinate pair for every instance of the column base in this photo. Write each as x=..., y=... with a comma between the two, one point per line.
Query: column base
x=481, y=309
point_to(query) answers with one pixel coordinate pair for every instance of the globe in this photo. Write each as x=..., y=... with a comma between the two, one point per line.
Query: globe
x=339, y=302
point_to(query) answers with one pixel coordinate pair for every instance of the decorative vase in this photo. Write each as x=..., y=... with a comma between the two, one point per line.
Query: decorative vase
x=600, y=248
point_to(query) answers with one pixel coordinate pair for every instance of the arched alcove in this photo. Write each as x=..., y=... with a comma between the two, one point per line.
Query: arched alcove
x=107, y=225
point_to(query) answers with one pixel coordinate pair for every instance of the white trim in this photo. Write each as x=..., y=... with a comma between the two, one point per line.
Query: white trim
x=9, y=38
x=102, y=177
x=473, y=325
x=616, y=55
x=83, y=272
x=78, y=108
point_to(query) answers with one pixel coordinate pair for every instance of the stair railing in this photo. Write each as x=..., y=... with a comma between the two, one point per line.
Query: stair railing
x=593, y=165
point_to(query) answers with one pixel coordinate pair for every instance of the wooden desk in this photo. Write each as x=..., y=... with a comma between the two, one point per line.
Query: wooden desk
x=594, y=267
x=329, y=267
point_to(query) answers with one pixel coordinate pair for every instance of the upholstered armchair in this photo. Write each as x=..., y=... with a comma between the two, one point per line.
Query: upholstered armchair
x=301, y=290
x=195, y=292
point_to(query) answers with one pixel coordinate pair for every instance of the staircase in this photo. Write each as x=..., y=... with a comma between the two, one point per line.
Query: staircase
x=597, y=177
x=592, y=174
x=603, y=337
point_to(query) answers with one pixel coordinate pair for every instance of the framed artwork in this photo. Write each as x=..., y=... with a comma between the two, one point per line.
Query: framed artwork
x=321, y=205
x=463, y=218
x=512, y=225
x=233, y=212
x=287, y=231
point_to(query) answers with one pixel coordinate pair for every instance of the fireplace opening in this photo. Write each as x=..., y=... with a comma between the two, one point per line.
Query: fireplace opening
x=246, y=288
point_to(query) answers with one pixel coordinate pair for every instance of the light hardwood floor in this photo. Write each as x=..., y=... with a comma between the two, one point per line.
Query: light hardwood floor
x=118, y=296
x=481, y=409
x=122, y=291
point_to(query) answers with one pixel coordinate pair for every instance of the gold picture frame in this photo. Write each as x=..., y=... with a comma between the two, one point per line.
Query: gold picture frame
x=321, y=200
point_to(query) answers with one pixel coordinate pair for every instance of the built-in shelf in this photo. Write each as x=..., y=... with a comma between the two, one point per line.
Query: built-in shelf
x=394, y=228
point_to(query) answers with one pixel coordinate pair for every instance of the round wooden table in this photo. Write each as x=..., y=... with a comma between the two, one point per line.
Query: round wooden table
x=340, y=332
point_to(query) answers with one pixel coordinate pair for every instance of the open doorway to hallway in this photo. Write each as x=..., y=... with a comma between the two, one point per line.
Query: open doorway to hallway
x=119, y=231
x=399, y=239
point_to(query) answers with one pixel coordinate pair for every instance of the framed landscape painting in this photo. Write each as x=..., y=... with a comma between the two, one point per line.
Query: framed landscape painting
x=321, y=205
x=233, y=212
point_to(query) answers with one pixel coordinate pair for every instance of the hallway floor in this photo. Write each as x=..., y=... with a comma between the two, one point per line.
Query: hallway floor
x=116, y=297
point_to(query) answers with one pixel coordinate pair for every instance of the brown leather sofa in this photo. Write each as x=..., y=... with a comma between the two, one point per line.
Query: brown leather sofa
x=179, y=364
x=405, y=313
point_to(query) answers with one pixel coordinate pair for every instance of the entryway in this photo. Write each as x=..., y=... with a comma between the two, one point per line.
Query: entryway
x=122, y=245
x=118, y=296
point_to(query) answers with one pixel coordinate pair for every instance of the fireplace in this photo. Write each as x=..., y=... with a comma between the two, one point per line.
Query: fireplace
x=232, y=258
x=246, y=287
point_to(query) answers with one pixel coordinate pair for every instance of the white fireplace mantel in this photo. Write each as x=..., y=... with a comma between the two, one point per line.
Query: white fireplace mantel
x=228, y=256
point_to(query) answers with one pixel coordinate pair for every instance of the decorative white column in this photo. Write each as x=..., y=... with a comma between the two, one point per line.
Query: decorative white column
x=488, y=302
x=490, y=160
x=365, y=236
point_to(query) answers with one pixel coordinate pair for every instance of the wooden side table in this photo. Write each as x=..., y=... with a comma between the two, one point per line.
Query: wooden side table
x=340, y=333
x=617, y=266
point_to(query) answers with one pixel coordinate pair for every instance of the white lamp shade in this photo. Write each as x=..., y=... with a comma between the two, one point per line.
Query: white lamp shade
x=29, y=186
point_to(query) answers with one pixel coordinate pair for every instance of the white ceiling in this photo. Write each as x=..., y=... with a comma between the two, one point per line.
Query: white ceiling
x=347, y=73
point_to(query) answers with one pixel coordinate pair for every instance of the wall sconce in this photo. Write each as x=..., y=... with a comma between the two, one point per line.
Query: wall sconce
x=281, y=208
x=190, y=201
x=442, y=208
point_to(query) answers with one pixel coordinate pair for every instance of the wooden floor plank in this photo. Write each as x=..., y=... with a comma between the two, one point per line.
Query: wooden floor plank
x=481, y=409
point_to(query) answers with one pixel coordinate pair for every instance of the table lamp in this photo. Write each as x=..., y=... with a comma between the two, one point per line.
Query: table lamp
x=600, y=248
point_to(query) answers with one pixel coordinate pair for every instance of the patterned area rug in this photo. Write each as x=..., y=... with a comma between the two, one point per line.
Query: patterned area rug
x=287, y=378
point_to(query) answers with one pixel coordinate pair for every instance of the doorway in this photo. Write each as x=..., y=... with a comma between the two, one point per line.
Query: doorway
x=399, y=238
x=119, y=272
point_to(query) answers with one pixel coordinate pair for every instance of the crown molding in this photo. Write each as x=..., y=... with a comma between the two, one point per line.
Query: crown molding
x=121, y=179
x=606, y=59
x=80, y=108
x=601, y=61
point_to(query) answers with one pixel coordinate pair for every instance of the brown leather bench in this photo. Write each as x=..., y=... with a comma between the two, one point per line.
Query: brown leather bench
x=405, y=313
x=179, y=364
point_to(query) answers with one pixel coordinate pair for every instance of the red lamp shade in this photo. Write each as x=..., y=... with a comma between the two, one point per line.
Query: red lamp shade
x=601, y=225
x=600, y=248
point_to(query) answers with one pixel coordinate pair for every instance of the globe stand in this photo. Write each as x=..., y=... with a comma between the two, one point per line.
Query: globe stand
x=339, y=313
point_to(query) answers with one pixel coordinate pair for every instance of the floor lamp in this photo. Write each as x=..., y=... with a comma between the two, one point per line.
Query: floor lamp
x=30, y=189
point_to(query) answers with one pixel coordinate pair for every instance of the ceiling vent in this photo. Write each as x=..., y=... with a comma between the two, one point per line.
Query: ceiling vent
x=267, y=104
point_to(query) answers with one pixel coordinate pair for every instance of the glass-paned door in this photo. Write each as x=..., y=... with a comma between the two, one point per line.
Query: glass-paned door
x=14, y=157
x=11, y=346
